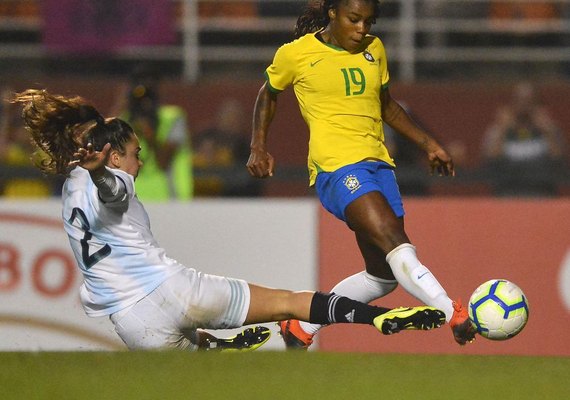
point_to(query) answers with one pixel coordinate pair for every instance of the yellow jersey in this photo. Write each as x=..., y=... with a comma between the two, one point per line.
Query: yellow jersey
x=339, y=97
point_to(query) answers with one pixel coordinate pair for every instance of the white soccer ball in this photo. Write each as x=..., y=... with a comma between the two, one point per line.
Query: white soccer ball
x=498, y=309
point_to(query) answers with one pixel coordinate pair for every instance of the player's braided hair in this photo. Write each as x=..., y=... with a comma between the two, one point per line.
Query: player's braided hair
x=315, y=15
x=59, y=125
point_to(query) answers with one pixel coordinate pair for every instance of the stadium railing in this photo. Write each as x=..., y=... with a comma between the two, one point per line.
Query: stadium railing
x=425, y=39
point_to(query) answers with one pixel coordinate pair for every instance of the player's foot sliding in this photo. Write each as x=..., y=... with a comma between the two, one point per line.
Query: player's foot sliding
x=248, y=340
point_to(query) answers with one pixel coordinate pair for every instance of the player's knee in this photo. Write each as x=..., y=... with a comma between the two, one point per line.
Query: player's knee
x=387, y=237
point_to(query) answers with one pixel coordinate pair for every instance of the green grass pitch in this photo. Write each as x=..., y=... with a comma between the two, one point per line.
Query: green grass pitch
x=279, y=375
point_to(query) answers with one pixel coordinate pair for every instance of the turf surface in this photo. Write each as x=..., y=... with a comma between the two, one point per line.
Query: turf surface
x=279, y=375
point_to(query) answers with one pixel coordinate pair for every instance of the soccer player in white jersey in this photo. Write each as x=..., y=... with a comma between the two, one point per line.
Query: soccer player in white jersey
x=154, y=301
x=339, y=73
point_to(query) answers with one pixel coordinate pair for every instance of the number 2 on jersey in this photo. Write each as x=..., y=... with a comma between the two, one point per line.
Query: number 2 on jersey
x=353, y=76
x=88, y=260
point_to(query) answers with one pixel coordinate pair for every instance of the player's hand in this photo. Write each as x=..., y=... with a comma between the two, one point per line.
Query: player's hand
x=260, y=164
x=440, y=162
x=90, y=159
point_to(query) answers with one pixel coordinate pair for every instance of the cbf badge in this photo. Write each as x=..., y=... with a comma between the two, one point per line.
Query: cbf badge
x=351, y=182
x=368, y=56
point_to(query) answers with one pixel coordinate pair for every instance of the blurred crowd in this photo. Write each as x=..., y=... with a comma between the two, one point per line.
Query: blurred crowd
x=524, y=151
x=524, y=146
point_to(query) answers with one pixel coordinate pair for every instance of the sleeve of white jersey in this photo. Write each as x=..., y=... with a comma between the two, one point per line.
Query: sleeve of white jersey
x=123, y=190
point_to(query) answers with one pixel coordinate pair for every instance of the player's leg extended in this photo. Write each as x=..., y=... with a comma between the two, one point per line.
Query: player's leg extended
x=268, y=304
x=335, y=195
x=328, y=308
x=375, y=282
x=374, y=221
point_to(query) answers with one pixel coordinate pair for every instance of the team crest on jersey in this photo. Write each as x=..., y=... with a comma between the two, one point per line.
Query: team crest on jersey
x=368, y=56
x=351, y=182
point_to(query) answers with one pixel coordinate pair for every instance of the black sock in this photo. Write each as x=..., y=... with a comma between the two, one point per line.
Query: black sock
x=329, y=308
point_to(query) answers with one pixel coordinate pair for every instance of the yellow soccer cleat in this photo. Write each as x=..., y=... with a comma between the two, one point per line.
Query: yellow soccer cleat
x=248, y=340
x=409, y=318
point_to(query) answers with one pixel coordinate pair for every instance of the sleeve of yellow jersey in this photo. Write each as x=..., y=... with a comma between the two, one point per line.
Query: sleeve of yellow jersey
x=281, y=73
x=385, y=78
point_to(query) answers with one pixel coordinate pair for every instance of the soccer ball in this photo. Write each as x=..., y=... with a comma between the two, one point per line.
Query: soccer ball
x=498, y=309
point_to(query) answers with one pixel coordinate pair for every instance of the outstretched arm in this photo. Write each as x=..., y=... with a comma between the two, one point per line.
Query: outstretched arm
x=94, y=162
x=394, y=115
x=261, y=163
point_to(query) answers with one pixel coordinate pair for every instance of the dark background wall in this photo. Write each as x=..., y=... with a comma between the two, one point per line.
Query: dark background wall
x=451, y=111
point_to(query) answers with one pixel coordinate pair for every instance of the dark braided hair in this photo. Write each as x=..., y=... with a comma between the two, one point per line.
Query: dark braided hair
x=60, y=125
x=315, y=15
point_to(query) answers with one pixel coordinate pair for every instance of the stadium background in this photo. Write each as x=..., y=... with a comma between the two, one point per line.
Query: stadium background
x=462, y=232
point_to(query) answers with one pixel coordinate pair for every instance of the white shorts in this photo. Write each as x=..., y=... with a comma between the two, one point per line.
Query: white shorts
x=183, y=303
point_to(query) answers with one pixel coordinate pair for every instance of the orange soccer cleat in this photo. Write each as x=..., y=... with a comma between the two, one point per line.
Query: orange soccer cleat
x=461, y=326
x=294, y=336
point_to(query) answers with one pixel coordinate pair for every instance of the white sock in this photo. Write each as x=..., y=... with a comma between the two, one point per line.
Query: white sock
x=362, y=287
x=417, y=279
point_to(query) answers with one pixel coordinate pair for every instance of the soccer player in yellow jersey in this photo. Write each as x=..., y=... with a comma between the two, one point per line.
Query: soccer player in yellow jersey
x=339, y=73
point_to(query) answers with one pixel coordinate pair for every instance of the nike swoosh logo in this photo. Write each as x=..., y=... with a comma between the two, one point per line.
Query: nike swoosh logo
x=316, y=62
x=420, y=276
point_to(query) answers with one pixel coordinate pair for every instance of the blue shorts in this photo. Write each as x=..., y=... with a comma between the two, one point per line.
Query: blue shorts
x=338, y=189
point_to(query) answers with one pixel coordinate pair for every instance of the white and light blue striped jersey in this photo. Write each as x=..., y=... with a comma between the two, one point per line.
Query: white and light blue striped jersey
x=113, y=245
